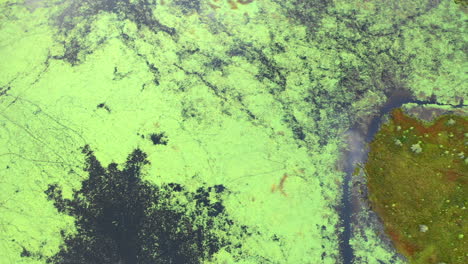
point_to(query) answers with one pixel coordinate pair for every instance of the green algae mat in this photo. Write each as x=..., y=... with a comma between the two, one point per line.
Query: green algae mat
x=226, y=131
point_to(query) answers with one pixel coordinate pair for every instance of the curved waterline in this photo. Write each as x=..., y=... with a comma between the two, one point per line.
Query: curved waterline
x=356, y=153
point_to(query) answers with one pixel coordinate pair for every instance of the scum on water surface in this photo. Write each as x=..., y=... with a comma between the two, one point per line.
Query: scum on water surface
x=231, y=93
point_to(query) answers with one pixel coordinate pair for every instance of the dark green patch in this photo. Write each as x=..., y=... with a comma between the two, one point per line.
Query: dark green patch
x=463, y=3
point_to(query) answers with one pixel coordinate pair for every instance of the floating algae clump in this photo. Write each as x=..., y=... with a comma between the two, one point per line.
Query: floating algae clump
x=421, y=195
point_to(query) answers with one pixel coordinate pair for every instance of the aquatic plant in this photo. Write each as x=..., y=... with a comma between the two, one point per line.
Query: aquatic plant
x=416, y=148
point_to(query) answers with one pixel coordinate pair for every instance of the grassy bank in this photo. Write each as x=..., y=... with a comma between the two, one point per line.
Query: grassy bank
x=417, y=175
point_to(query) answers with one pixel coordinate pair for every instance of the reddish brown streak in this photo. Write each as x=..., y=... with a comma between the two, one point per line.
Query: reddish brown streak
x=281, y=185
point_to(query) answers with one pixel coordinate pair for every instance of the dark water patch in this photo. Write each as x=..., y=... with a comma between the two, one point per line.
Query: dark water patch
x=121, y=218
x=347, y=252
x=396, y=100
x=4, y=90
x=104, y=106
x=158, y=138
x=25, y=253
x=219, y=188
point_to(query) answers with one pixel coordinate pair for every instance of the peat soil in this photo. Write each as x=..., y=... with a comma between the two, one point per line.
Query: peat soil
x=355, y=212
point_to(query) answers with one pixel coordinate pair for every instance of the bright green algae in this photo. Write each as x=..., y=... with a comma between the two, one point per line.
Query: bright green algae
x=243, y=95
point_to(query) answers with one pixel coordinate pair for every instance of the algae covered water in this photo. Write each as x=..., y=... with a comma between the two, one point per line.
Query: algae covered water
x=204, y=131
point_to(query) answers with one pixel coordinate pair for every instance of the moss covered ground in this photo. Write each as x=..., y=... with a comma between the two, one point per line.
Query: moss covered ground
x=418, y=182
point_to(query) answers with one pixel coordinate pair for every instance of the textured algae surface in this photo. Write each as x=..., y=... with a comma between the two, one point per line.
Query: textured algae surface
x=417, y=177
x=249, y=95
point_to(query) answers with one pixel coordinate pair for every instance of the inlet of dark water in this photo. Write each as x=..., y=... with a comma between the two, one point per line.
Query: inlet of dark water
x=357, y=139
